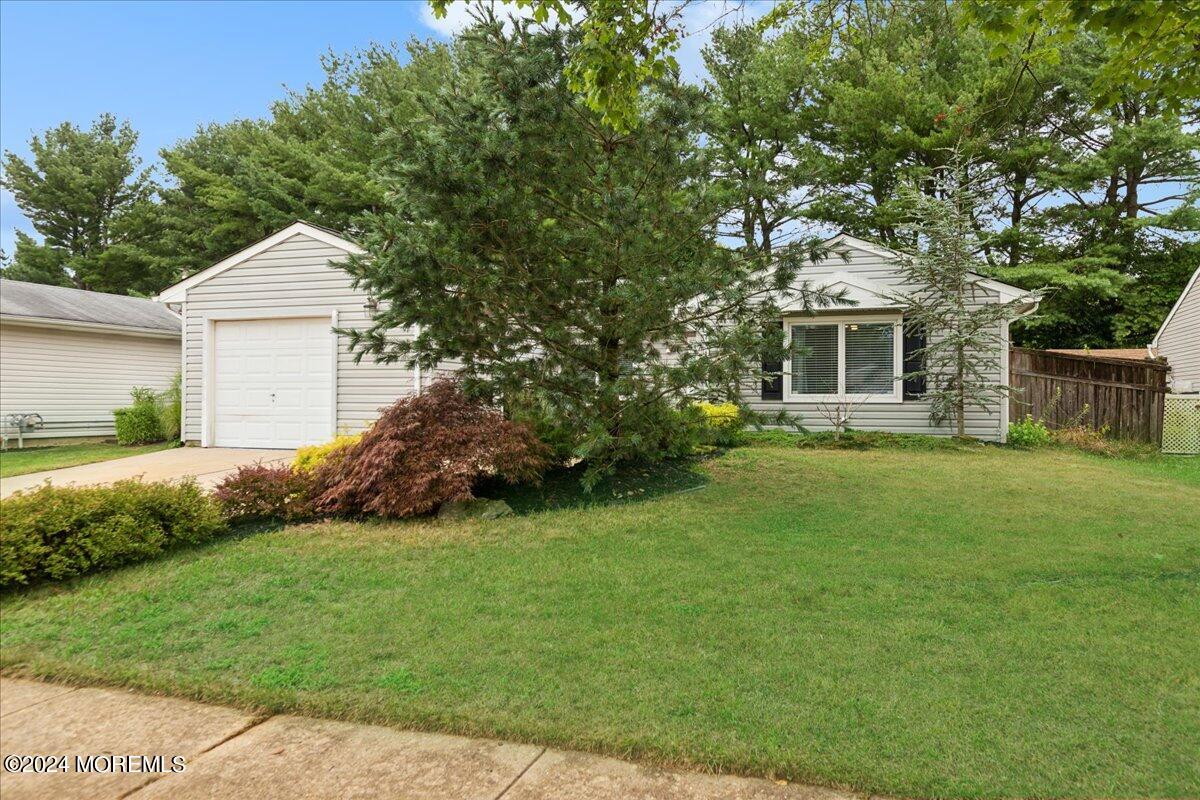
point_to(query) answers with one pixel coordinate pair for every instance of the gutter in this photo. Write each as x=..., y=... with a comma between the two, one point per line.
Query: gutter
x=99, y=327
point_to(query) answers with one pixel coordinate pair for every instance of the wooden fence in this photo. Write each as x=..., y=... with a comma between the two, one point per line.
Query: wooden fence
x=1125, y=396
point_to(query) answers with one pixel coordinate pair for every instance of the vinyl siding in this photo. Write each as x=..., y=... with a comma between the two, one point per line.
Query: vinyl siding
x=909, y=416
x=294, y=274
x=75, y=378
x=1179, y=342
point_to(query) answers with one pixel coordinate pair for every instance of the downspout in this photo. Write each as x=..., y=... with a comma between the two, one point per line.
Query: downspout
x=417, y=368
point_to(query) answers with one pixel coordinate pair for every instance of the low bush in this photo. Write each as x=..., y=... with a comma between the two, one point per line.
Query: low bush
x=170, y=409
x=723, y=424
x=1029, y=432
x=259, y=492
x=427, y=450
x=56, y=532
x=881, y=440
x=141, y=422
x=309, y=458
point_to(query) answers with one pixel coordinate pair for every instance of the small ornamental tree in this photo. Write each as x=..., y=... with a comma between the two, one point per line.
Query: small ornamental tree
x=960, y=319
x=573, y=272
x=423, y=451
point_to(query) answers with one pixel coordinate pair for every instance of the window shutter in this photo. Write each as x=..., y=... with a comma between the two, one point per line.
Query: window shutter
x=772, y=379
x=914, y=360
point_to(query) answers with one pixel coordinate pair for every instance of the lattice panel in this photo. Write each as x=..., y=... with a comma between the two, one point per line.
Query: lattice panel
x=1181, y=424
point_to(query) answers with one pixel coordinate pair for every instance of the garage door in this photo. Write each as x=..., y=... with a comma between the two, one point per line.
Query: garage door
x=272, y=383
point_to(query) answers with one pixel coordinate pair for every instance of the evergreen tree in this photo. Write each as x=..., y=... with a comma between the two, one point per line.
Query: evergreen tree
x=573, y=271
x=961, y=358
x=87, y=196
x=311, y=159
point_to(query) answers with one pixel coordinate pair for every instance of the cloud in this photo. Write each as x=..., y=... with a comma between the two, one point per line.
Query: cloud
x=459, y=15
x=697, y=20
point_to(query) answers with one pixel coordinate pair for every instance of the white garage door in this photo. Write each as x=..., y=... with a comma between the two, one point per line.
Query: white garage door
x=272, y=382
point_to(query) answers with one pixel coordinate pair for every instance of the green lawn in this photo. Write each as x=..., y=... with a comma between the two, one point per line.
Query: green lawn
x=36, y=459
x=923, y=623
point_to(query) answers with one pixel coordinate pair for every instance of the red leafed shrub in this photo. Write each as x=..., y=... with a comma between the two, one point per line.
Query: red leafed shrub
x=258, y=492
x=427, y=450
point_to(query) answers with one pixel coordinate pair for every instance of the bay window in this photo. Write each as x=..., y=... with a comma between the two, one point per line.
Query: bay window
x=854, y=358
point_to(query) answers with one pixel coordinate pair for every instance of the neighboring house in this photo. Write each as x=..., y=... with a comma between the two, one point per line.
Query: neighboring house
x=857, y=355
x=1178, y=340
x=72, y=356
x=263, y=367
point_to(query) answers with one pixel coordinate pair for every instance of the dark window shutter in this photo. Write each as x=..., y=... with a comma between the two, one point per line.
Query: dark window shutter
x=772, y=379
x=914, y=360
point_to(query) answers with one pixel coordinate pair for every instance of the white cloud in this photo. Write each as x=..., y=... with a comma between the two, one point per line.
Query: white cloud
x=697, y=20
x=459, y=15
x=700, y=19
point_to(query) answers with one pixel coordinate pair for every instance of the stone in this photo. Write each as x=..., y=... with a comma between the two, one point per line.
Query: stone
x=477, y=508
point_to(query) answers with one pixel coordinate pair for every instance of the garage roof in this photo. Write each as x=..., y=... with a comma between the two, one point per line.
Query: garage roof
x=38, y=303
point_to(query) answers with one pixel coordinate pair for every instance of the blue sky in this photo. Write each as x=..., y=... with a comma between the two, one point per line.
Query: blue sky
x=169, y=67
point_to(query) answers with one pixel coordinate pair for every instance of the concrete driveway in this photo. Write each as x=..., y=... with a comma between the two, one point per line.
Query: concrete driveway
x=208, y=465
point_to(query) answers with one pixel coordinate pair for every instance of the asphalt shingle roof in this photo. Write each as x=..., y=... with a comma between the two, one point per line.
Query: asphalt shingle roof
x=21, y=299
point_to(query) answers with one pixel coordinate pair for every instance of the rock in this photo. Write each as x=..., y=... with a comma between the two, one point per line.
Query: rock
x=474, y=509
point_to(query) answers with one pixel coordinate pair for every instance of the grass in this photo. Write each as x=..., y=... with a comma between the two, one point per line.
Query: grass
x=979, y=622
x=37, y=459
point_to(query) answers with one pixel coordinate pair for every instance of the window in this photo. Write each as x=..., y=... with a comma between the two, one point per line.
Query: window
x=870, y=358
x=814, y=359
x=847, y=357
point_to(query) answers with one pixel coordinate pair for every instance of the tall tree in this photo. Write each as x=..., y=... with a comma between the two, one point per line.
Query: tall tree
x=566, y=266
x=312, y=158
x=961, y=365
x=1150, y=45
x=756, y=129
x=85, y=192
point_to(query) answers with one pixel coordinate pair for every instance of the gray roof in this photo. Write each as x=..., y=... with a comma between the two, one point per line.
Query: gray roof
x=36, y=300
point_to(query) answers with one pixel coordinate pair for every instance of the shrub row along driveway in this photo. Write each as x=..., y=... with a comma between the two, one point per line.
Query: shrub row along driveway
x=915, y=623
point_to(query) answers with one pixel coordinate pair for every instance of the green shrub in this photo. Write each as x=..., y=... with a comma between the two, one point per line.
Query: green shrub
x=1029, y=432
x=140, y=423
x=170, y=409
x=880, y=440
x=723, y=424
x=309, y=458
x=56, y=532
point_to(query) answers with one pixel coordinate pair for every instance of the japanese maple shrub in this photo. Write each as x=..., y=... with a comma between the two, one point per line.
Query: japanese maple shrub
x=426, y=450
x=260, y=492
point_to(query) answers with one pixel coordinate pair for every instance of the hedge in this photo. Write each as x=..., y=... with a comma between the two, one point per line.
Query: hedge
x=57, y=532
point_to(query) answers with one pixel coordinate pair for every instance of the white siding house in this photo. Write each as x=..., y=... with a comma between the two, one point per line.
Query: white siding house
x=1178, y=340
x=858, y=354
x=263, y=366
x=72, y=356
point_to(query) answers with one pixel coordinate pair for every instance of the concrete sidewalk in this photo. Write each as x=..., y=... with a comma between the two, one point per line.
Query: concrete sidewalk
x=228, y=753
x=206, y=464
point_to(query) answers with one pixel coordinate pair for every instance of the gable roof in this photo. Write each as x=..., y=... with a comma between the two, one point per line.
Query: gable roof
x=1006, y=291
x=864, y=293
x=1178, y=303
x=177, y=293
x=59, y=306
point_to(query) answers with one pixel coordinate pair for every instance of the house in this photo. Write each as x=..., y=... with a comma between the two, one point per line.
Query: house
x=263, y=366
x=855, y=357
x=1178, y=340
x=71, y=356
